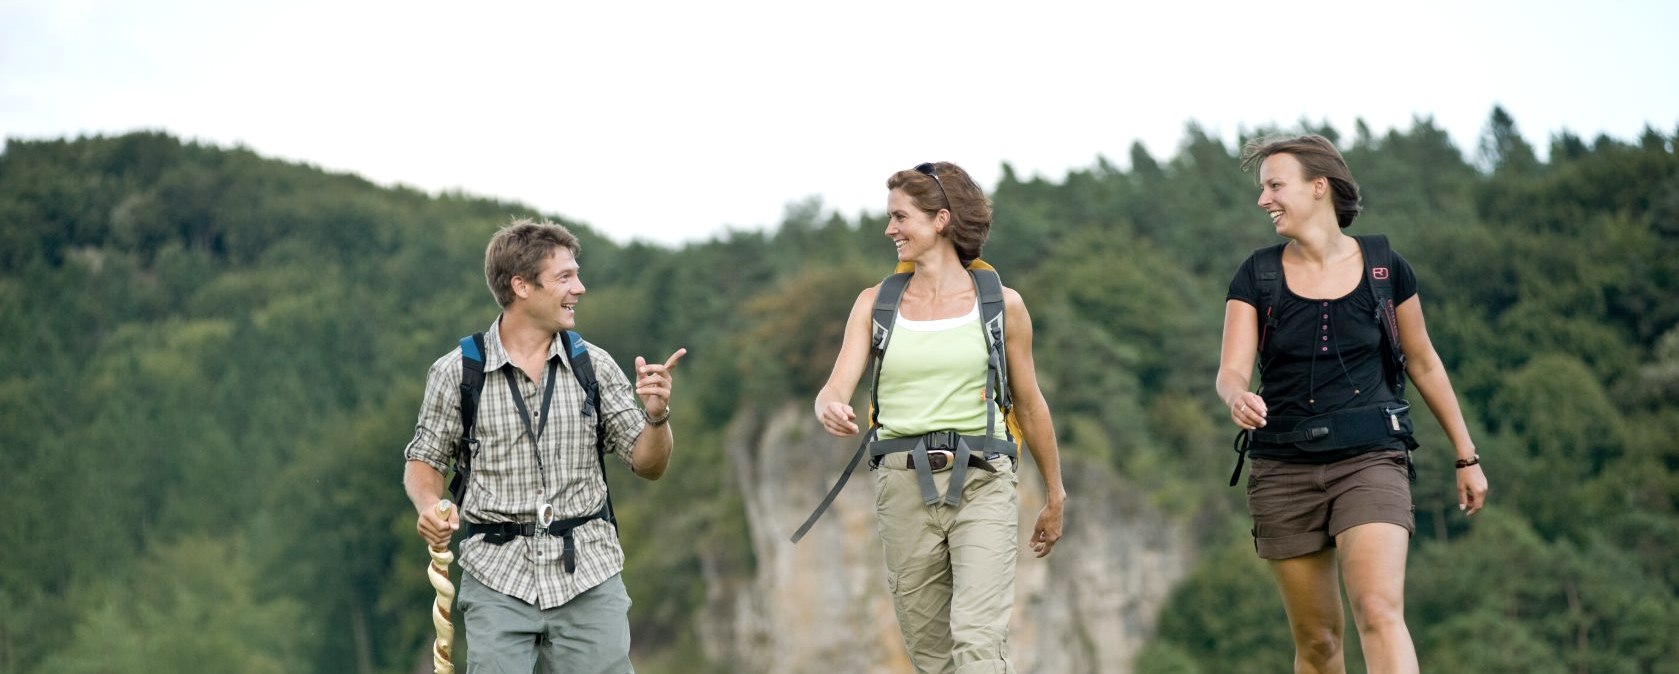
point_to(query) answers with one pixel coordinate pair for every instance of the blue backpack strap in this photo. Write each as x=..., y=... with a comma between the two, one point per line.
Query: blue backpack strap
x=583, y=370
x=471, y=390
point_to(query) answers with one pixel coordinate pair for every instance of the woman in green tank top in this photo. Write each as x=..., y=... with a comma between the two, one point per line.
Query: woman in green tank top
x=950, y=566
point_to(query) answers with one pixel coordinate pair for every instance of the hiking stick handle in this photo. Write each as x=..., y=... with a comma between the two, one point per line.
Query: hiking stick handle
x=442, y=618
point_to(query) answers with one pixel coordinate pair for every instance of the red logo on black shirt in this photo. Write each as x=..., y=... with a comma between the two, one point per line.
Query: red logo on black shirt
x=1379, y=273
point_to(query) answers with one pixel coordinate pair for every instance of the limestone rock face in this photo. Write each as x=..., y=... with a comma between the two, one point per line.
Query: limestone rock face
x=822, y=606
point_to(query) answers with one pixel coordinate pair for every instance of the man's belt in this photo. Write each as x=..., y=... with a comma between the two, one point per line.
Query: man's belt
x=501, y=533
x=926, y=452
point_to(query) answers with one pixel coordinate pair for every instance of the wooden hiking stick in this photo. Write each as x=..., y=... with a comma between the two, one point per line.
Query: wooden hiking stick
x=442, y=617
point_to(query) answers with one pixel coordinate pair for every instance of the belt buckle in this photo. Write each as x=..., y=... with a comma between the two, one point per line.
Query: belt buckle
x=940, y=459
x=943, y=440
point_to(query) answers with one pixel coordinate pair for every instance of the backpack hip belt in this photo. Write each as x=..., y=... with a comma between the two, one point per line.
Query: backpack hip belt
x=965, y=450
x=501, y=533
x=1345, y=429
x=1355, y=427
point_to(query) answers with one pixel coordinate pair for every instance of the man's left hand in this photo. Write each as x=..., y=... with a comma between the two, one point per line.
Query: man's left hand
x=653, y=382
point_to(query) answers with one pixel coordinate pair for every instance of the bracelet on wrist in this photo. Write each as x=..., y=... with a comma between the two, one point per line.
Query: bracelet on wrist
x=656, y=421
x=1471, y=461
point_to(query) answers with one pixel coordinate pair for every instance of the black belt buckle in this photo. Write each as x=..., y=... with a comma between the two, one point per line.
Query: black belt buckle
x=943, y=440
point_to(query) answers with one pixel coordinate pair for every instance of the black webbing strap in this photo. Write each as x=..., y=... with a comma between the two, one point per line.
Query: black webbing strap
x=1378, y=266
x=525, y=414
x=501, y=533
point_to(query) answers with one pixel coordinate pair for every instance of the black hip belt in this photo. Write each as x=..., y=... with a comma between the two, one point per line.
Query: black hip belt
x=957, y=451
x=1346, y=429
x=501, y=533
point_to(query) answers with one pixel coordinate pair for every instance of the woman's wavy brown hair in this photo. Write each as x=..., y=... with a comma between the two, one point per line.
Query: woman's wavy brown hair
x=970, y=211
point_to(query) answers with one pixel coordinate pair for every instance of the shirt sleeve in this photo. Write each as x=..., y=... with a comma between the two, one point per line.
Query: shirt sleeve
x=1404, y=280
x=624, y=421
x=1242, y=286
x=439, y=426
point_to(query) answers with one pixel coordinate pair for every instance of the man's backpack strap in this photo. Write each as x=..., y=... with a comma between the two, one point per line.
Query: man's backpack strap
x=583, y=370
x=1378, y=266
x=472, y=389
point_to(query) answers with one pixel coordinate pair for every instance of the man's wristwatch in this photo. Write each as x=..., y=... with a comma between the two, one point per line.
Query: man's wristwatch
x=1461, y=463
x=660, y=421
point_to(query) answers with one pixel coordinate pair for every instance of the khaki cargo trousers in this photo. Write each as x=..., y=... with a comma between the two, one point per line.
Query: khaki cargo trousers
x=951, y=569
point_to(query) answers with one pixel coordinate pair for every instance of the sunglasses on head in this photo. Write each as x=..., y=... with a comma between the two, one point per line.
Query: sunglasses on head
x=927, y=169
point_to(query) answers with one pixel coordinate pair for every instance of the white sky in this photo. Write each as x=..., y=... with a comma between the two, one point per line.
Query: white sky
x=674, y=121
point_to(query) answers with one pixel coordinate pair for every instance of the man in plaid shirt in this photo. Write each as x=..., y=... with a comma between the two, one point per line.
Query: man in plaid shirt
x=540, y=588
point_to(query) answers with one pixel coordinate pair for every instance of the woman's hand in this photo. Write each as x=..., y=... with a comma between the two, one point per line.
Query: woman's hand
x=1048, y=530
x=838, y=419
x=1248, y=410
x=1471, y=489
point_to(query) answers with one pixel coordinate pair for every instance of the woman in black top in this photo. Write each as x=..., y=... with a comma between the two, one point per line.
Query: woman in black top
x=1322, y=358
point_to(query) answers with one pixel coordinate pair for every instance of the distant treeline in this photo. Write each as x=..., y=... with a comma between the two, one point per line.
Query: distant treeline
x=214, y=359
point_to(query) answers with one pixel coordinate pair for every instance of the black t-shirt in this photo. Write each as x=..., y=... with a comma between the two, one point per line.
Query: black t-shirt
x=1326, y=353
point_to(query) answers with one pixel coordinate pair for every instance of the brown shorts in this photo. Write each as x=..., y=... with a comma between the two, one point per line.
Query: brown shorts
x=1299, y=509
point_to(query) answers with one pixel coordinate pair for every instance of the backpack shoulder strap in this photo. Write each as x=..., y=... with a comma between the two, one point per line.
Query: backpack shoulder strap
x=991, y=312
x=885, y=314
x=472, y=389
x=886, y=309
x=583, y=370
x=1268, y=279
x=1378, y=267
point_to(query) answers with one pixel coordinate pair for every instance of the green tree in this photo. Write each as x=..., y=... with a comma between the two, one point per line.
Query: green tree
x=188, y=608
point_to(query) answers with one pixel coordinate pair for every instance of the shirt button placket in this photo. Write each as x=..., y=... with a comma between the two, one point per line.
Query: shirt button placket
x=1325, y=326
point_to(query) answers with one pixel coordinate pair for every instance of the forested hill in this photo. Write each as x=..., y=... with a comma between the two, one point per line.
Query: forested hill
x=214, y=359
